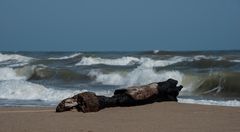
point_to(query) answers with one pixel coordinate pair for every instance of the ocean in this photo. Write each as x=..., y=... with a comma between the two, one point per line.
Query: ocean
x=42, y=79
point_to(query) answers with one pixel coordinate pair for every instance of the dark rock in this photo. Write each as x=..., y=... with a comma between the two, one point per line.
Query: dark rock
x=132, y=96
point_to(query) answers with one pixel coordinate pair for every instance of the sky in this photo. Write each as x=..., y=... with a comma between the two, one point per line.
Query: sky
x=119, y=25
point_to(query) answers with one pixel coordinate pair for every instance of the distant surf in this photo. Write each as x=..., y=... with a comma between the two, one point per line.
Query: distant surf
x=44, y=78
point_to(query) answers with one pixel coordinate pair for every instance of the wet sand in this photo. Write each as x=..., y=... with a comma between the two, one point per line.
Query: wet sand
x=165, y=117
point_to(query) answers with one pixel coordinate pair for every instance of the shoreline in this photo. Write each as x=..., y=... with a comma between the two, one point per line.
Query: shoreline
x=165, y=116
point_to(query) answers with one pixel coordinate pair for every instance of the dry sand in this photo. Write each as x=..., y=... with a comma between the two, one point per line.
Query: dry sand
x=164, y=117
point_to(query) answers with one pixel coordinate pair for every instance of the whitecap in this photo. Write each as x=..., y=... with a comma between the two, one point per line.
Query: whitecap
x=97, y=60
x=148, y=62
x=201, y=57
x=23, y=90
x=138, y=76
x=237, y=61
x=65, y=57
x=143, y=61
x=16, y=57
x=9, y=74
x=22, y=73
x=155, y=51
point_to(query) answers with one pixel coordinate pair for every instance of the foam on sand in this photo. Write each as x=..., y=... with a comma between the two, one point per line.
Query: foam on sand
x=233, y=103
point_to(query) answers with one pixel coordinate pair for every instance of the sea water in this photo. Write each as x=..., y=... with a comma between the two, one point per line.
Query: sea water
x=45, y=78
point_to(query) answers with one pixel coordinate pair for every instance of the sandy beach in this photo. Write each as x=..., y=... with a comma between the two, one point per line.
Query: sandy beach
x=165, y=117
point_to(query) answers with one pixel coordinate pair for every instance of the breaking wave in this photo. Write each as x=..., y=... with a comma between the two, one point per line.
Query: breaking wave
x=237, y=61
x=65, y=57
x=55, y=75
x=148, y=62
x=138, y=76
x=156, y=51
x=9, y=74
x=23, y=90
x=144, y=61
x=119, y=61
x=6, y=57
x=200, y=57
x=216, y=84
x=14, y=60
x=23, y=73
x=220, y=84
x=40, y=72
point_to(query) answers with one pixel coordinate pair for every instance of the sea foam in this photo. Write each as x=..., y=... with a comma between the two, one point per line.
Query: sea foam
x=233, y=103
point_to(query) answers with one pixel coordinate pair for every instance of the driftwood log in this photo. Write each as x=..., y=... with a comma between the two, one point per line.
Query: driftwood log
x=132, y=96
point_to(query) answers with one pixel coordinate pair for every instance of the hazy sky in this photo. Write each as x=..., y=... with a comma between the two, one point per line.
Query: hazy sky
x=65, y=25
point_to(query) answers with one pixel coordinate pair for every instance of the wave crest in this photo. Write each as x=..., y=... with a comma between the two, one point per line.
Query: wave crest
x=139, y=76
x=147, y=62
x=119, y=61
x=22, y=73
x=65, y=57
x=16, y=57
x=23, y=90
x=14, y=60
x=9, y=74
x=144, y=61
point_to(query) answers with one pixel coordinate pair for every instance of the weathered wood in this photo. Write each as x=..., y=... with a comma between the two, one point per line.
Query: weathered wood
x=131, y=96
